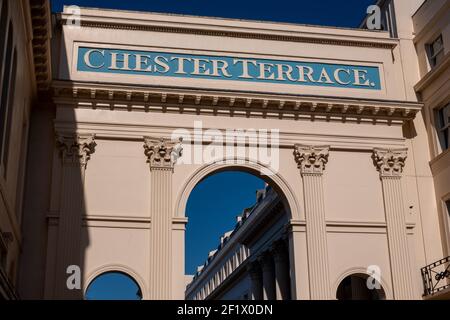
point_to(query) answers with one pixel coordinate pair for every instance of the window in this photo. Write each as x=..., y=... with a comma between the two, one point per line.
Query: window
x=8, y=69
x=9, y=111
x=442, y=126
x=436, y=51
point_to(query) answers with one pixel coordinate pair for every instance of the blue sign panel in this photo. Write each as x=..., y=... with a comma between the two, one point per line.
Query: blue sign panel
x=227, y=68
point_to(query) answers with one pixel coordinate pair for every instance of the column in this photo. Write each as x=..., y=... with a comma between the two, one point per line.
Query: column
x=390, y=165
x=161, y=155
x=255, y=274
x=282, y=276
x=268, y=274
x=75, y=151
x=359, y=288
x=311, y=161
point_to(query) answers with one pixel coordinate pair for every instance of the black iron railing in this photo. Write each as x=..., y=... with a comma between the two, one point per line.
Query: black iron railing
x=436, y=276
x=6, y=288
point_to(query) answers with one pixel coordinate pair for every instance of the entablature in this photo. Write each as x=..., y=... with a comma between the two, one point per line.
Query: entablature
x=232, y=103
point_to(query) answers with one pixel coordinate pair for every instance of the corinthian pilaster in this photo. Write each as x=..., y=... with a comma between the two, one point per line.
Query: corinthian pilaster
x=75, y=151
x=389, y=164
x=311, y=161
x=161, y=155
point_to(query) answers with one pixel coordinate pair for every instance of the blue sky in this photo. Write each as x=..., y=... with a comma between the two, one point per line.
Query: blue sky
x=348, y=13
x=113, y=286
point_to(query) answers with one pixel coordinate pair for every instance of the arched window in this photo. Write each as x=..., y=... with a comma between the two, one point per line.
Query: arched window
x=113, y=285
x=355, y=287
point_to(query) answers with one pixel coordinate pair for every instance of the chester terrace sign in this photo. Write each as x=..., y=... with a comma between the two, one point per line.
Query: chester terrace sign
x=227, y=68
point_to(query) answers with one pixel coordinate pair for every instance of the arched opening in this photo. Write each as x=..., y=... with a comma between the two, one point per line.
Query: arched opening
x=356, y=287
x=215, y=204
x=113, y=285
x=236, y=219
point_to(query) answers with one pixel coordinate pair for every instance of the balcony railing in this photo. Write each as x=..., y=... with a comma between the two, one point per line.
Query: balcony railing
x=436, y=276
x=6, y=288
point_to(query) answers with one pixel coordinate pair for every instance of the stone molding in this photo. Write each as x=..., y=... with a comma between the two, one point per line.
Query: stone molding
x=209, y=28
x=246, y=103
x=41, y=23
x=76, y=149
x=162, y=153
x=311, y=159
x=389, y=162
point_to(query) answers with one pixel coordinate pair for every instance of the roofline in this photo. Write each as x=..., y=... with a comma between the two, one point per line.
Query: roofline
x=281, y=23
x=224, y=27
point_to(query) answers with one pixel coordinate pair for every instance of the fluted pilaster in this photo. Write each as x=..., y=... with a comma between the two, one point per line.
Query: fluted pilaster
x=311, y=161
x=161, y=155
x=390, y=164
x=75, y=151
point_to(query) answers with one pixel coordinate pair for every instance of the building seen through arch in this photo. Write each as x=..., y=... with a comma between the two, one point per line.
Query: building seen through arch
x=252, y=260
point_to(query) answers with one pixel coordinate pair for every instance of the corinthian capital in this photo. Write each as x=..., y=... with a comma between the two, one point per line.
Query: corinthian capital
x=162, y=153
x=389, y=162
x=311, y=159
x=75, y=149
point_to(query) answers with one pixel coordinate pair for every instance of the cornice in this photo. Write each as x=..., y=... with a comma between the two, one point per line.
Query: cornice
x=245, y=35
x=232, y=103
x=228, y=28
x=440, y=162
x=433, y=74
x=42, y=30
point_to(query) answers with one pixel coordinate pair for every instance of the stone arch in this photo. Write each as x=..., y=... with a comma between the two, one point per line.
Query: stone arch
x=116, y=268
x=360, y=271
x=284, y=190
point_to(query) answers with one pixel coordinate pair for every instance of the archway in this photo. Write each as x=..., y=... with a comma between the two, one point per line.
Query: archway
x=113, y=285
x=212, y=209
x=275, y=180
x=354, y=287
x=273, y=183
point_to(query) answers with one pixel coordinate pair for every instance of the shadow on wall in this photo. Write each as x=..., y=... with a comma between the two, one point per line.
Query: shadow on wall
x=409, y=129
x=55, y=239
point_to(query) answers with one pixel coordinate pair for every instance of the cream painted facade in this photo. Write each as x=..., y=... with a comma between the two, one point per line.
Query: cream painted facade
x=24, y=75
x=106, y=188
x=431, y=21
